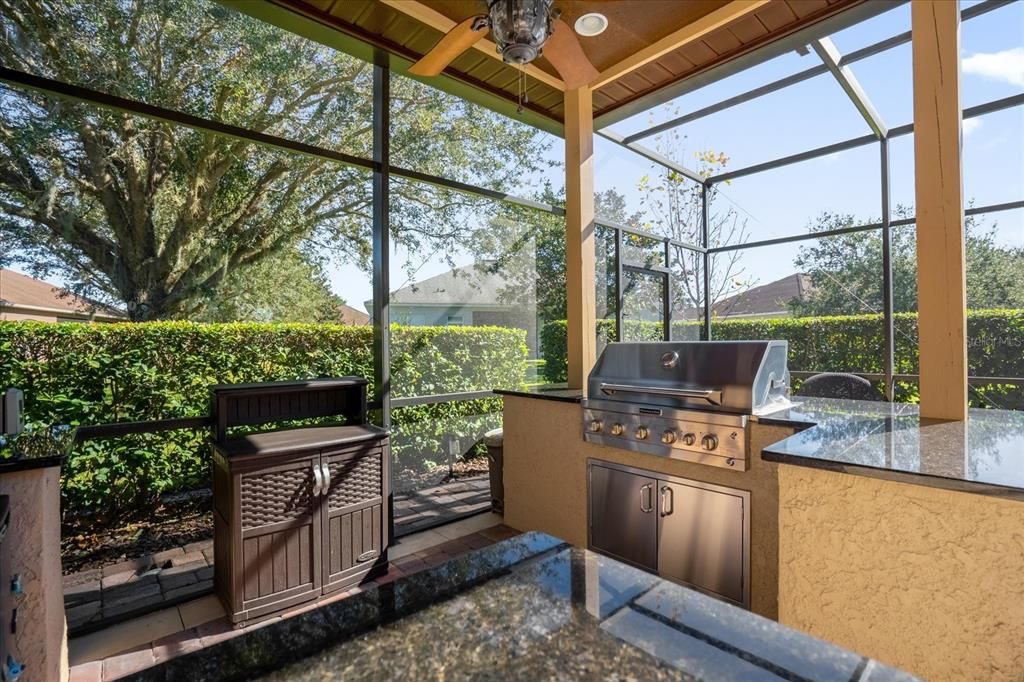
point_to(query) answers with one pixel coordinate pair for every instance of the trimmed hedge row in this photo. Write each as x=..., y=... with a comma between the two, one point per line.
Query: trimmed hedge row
x=95, y=374
x=849, y=343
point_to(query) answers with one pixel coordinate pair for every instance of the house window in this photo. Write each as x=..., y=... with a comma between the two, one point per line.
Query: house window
x=455, y=319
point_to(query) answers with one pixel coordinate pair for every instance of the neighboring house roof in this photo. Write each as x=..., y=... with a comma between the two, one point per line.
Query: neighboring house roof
x=767, y=300
x=21, y=292
x=470, y=285
x=349, y=315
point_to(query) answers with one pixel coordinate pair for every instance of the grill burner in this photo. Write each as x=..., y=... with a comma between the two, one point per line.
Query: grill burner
x=687, y=401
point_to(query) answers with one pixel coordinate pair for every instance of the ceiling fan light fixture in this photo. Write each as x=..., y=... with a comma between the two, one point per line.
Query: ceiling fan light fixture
x=591, y=24
x=520, y=28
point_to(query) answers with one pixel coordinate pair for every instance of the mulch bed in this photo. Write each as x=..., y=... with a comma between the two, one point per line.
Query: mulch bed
x=408, y=479
x=84, y=545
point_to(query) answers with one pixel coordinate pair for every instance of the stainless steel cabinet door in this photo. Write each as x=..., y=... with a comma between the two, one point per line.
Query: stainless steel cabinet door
x=701, y=538
x=623, y=522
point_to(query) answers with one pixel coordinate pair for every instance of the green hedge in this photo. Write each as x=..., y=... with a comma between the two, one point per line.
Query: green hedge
x=95, y=374
x=851, y=343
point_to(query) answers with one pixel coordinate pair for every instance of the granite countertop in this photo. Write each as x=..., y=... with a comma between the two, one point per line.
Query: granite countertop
x=549, y=392
x=529, y=608
x=36, y=448
x=983, y=455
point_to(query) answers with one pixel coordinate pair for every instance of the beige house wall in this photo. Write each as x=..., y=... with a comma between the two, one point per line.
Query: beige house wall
x=6, y=315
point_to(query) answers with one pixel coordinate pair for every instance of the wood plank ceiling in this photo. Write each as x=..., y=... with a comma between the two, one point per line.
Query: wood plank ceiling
x=633, y=25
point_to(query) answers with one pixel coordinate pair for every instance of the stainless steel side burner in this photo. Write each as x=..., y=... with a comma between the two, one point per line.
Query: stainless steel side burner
x=685, y=400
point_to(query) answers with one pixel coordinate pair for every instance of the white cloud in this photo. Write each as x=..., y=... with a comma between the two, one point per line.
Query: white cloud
x=971, y=124
x=1006, y=65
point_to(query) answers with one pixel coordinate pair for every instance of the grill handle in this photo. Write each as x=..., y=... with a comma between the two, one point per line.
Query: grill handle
x=711, y=395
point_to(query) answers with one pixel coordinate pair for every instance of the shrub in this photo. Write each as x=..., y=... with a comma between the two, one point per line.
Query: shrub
x=849, y=343
x=95, y=374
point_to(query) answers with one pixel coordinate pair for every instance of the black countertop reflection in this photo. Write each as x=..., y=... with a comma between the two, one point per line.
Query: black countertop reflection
x=36, y=448
x=549, y=392
x=983, y=455
x=529, y=608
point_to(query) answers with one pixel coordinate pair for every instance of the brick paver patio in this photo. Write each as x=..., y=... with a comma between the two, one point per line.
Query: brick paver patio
x=117, y=592
x=99, y=597
x=111, y=653
x=417, y=510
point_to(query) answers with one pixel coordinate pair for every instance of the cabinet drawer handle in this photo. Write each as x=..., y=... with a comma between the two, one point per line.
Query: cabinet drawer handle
x=318, y=481
x=326, y=471
x=366, y=556
x=645, y=497
x=666, y=500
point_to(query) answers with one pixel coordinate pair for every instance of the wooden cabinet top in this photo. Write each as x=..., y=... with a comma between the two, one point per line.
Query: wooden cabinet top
x=295, y=440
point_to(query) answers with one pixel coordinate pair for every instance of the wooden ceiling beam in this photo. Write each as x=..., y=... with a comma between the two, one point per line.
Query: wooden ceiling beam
x=683, y=36
x=439, y=22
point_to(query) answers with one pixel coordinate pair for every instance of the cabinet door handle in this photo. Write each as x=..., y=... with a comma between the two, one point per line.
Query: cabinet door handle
x=666, y=500
x=645, y=496
x=318, y=481
x=325, y=469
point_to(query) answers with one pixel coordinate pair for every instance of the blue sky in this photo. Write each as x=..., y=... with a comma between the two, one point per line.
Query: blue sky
x=816, y=113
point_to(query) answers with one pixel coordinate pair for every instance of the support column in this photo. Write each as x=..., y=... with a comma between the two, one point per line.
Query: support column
x=579, y=234
x=941, y=265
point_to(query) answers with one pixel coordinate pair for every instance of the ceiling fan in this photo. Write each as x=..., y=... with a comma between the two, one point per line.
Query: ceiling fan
x=522, y=30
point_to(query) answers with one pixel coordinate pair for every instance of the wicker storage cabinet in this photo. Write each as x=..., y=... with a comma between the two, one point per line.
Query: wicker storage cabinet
x=298, y=513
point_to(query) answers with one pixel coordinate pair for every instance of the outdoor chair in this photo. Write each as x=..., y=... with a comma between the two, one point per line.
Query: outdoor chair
x=839, y=385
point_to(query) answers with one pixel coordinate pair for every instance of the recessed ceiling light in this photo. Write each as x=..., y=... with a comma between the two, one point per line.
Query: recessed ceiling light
x=592, y=24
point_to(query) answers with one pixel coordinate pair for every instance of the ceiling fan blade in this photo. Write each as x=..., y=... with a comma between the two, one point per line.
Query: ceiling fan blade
x=566, y=55
x=455, y=42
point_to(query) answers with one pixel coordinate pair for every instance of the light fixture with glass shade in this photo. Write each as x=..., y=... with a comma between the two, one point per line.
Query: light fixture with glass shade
x=592, y=24
x=520, y=28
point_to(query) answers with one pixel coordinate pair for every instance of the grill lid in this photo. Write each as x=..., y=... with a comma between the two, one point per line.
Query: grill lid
x=725, y=376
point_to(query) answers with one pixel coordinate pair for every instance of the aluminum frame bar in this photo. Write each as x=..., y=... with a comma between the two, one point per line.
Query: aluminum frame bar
x=381, y=235
x=830, y=57
x=651, y=154
x=800, y=76
x=766, y=89
x=638, y=232
x=889, y=346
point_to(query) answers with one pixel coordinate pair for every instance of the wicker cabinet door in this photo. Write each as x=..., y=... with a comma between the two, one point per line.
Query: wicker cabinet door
x=281, y=536
x=353, y=514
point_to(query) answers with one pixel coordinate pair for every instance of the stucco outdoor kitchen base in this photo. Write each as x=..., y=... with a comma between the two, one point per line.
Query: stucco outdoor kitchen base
x=929, y=580
x=925, y=579
x=545, y=473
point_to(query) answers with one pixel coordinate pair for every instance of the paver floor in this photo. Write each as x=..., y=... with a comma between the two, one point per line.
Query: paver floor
x=129, y=647
x=417, y=510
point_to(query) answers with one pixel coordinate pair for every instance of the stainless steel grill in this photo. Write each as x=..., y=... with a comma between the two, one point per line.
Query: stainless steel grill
x=686, y=400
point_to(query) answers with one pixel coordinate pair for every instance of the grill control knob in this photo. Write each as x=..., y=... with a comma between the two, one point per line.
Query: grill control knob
x=668, y=437
x=689, y=439
x=709, y=442
x=617, y=429
x=596, y=426
x=642, y=432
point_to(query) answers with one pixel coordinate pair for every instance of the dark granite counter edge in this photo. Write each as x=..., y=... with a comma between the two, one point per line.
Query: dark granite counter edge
x=896, y=475
x=798, y=424
x=27, y=463
x=561, y=395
